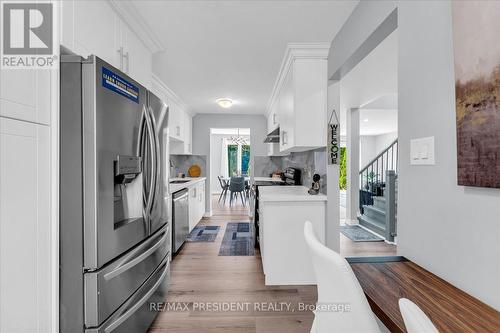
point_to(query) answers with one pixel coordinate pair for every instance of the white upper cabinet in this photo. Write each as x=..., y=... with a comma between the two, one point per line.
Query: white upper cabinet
x=136, y=58
x=188, y=128
x=180, y=121
x=95, y=30
x=107, y=29
x=299, y=99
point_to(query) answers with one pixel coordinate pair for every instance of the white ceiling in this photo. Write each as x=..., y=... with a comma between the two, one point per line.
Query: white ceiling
x=234, y=49
x=373, y=85
x=378, y=121
x=231, y=131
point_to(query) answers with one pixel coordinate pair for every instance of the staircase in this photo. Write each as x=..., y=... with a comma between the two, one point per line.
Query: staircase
x=378, y=193
x=373, y=216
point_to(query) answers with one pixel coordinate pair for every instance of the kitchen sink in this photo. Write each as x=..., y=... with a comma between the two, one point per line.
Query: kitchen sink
x=179, y=181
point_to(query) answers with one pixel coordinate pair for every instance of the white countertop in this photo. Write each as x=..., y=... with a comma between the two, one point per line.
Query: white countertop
x=267, y=179
x=288, y=193
x=180, y=186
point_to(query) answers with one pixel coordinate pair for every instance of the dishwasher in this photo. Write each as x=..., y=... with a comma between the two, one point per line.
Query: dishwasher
x=180, y=223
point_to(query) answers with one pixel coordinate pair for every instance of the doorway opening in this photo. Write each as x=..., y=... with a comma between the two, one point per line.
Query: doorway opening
x=369, y=154
x=230, y=156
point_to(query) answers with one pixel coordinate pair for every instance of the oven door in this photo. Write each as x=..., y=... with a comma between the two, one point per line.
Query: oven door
x=119, y=163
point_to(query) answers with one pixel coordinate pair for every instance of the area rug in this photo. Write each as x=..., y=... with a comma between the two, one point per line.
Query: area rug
x=358, y=234
x=238, y=240
x=203, y=233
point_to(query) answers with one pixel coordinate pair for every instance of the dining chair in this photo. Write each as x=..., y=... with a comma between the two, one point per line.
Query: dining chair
x=237, y=186
x=416, y=321
x=337, y=287
x=225, y=186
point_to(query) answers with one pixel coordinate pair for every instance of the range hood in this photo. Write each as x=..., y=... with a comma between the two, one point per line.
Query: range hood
x=273, y=137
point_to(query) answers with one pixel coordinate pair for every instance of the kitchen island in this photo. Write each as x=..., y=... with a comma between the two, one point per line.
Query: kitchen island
x=284, y=209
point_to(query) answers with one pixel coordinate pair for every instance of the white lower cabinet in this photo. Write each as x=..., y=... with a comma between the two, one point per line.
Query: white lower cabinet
x=25, y=94
x=196, y=203
x=193, y=202
x=25, y=227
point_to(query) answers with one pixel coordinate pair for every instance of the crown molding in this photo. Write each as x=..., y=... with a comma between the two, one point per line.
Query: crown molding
x=171, y=95
x=294, y=51
x=130, y=15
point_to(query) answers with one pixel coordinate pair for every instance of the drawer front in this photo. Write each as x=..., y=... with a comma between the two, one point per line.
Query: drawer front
x=136, y=314
x=108, y=288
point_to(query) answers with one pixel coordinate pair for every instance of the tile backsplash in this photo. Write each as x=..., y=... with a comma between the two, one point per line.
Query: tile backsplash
x=310, y=162
x=181, y=163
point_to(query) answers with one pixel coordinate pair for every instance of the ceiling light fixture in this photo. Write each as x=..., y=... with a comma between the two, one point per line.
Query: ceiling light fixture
x=365, y=120
x=225, y=103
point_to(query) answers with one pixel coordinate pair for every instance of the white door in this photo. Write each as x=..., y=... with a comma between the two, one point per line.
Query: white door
x=25, y=227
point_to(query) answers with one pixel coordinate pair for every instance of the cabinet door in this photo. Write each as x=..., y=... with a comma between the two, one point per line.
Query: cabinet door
x=176, y=118
x=286, y=112
x=188, y=125
x=137, y=59
x=25, y=94
x=201, y=201
x=97, y=31
x=25, y=227
x=193, y=207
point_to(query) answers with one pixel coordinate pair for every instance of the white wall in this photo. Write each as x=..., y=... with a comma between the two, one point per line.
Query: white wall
x=202, y=123
x=367, y=149
x=372, y=145
x=451, y=230
x=215, y=159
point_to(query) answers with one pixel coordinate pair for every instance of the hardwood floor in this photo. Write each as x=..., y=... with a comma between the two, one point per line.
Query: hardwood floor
x=348, y=248
x=201, y=277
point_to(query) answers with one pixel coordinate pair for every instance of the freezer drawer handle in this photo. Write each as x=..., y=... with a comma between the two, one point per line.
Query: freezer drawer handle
x=137, y=305
x=126, y=263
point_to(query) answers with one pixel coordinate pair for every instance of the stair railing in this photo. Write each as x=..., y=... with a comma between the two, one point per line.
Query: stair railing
x=373, y=175
x=379, y=178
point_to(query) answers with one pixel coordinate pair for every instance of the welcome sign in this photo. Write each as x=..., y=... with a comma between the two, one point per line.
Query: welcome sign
x=333, y=144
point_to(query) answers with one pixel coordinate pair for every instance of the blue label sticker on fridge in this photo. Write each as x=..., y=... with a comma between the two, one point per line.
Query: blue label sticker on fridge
x=119, y=85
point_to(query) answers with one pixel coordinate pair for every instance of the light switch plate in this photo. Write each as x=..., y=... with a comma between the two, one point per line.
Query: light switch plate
x=422, y=151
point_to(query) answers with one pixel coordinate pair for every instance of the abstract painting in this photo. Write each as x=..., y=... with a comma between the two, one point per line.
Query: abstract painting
x=476, y=33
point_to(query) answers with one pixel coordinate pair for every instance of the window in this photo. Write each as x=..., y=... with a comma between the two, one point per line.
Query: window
x=238, y=159
x=232, y=160
x=245, y=159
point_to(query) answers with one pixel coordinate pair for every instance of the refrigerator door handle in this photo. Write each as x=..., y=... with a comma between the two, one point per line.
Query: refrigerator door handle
x=145, y=123
x=128, y=262
x=115, y=324
x=157, y=146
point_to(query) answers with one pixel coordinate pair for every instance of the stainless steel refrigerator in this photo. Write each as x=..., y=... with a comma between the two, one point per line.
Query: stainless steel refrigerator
x=115, y=205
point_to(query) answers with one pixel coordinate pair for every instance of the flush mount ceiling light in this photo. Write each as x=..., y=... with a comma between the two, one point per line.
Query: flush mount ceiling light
x=365, y=120
x=225, y=103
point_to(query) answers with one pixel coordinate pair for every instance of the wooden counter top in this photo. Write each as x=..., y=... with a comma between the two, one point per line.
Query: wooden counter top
x=385, y=281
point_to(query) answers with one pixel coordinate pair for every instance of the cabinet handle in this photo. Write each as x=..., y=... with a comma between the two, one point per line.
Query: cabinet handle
x=120, y=53
x=178, y=130
x=274, y=118
x=189, y=147
x=285, y=137
x=127, y=57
